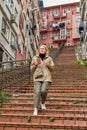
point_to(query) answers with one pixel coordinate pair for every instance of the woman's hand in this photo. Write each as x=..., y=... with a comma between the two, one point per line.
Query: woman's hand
x=45, y=63
x=38, y=61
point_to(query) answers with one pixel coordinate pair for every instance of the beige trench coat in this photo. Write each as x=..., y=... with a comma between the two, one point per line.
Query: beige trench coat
x=46, y=69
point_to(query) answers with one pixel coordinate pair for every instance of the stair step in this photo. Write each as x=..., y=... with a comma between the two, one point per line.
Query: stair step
x=66, y=102
x=57, y=124
x=48, y=104
x=42, y=116
x=76, y=110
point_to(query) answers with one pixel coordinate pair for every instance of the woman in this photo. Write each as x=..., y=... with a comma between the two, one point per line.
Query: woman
x=41, y=66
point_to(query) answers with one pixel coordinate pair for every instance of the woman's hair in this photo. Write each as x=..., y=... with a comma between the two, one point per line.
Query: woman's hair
x=46, y=48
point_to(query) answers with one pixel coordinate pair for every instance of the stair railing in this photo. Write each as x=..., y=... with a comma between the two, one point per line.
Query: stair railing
x=14, y=75
x=56, y=54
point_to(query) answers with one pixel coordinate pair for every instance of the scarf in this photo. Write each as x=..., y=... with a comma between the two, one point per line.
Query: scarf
x=42, y=56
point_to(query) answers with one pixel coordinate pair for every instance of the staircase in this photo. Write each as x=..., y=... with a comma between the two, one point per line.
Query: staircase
x=66, y=102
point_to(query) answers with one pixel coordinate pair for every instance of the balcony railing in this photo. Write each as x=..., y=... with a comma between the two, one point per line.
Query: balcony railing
x=56, y=16
x=59, y=38
x=43, y=28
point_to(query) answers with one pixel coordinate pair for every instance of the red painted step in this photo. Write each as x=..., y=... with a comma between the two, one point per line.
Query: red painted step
x=66, y=102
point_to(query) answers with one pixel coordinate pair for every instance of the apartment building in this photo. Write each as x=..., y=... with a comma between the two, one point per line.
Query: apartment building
x=19, y=29
x=83, y=28
x=32, y=36
x=60, y=24
x=9, y=22
x=28, y=29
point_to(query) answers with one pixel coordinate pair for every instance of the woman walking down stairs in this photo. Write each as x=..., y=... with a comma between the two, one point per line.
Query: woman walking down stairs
x=66, y=102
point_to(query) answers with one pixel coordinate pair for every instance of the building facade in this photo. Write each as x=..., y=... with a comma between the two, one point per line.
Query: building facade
x=83, y=28
x=60, y=24
x=8, y=29
x=19, y=29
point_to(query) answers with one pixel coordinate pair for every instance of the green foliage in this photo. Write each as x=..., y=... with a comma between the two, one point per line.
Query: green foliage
x=29, y=119
x=22, y=63
x=57, y=107
x=82, y=62
x=51, y=119
x=30, y=96
x=75, y=102
x=4, y=97
x=85, y=73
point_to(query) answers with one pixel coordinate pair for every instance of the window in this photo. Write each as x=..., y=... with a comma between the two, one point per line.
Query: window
x=5, y=29
x=44, y=23
x=64, y=11
x=55, y=34
x=77, y=9
x=6, y=57
x=68, y=33
x=69, y=9
x=51, y=35
x=7, y=2
x=77, y=30
x=55, y=12
x=7, y=32
x=44, y=36
x=51, y=24
x=10, y=6
x=51, y=12
x=44, y=14
x=12, y=39
x=63, y=34
x=68, y=43
x=68, y=21
x=78, y=18
x=51, y=45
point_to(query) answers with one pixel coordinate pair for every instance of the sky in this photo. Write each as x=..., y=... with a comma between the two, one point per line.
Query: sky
x=48, y=3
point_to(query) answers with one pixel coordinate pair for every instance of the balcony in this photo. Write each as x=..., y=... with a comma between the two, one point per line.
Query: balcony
x=43, y=28
x=56, y=16
x=64, y=15
x=77, y=37
x=55, y=38
x=69, y=26
x=59, y=39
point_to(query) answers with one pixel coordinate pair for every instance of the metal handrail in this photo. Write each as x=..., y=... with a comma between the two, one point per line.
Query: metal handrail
x=14, y=75
x=56, y=54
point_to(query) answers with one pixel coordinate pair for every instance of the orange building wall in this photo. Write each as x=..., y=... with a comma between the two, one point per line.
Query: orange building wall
x=21, y=55
x=48, y=29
